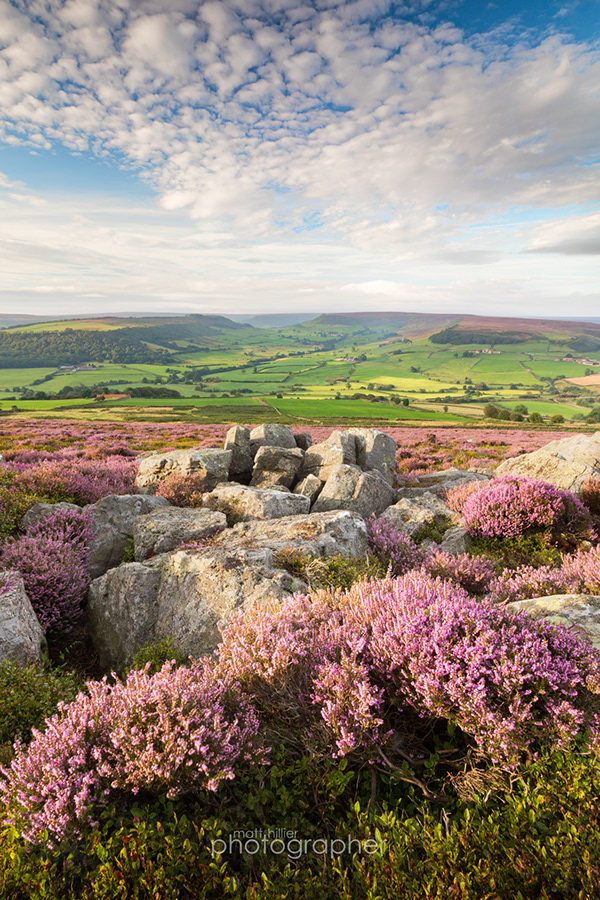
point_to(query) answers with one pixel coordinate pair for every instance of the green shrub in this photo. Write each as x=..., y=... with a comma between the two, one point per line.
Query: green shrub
x=525, y=550
x=157, y=654
x=28, y=696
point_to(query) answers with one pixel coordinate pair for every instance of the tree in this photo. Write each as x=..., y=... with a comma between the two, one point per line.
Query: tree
x=535, y=418
x=490, y=411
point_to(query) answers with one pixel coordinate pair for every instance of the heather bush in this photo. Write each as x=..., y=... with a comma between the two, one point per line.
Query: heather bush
x=471, y=572
x=583, y=570
x=413, y=645
x=178, y=731
x=183, y=490
x=15, y=499
x=52, y=559
x=394, y=550
x=456, y=497
x=528, y=582
x=508, y=507
x=590, y=495
x=76, y=479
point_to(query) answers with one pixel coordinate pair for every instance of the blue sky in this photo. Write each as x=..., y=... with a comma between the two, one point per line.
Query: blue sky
x=284, y=155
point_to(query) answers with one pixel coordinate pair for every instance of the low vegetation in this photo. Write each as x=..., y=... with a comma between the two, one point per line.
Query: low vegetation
x=394, y=732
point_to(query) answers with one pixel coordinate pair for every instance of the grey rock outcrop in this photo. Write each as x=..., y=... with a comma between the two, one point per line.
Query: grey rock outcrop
x=456, y=540
x=237, y=440
x=375, y=451
x=255, y=503
x=303, y=440
x=361, y=492
x=21, y=637
x=122, y=611
x=276, y=467
x=437, y=483
x=578, y=612
x=272, y=435
x=183, y=596
x=412, y=515
x=165, y=529
x=113, y=518
x=321, y=459
x=212, y=465
x=41, y=511
x=318, y=534
x=566, y=463
x=310, y=486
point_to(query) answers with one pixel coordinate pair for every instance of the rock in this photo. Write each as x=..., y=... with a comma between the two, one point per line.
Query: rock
x=183, y=596
x=122, y=612
x=375, y=451
x=166, y=529
x=212, y=465
x=276, y=467
x=271, y=436
x=412, y=515
x=21, y=637
x=456, y=540
x=112, y=518
x=254, y=503
x=347, y=442
x=318, y=534
x=566, y=463
x=321, y=459
x=41, y=511
x=237, y=440
x=310, y=486
x=303, y=440
x=579, y=612
x=361, y=492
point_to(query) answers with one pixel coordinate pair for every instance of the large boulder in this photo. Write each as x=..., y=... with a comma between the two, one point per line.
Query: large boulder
x=40, y=511
x=375, y=451
x=339, y=532
x=321, y=459
x=438, y=483
x=272, y=435
x=112, y=519
x=362, y=492
x=579, y=612
x=310, y=486
x=456, y=541
x=165, y=529
x=237, y=440
x=21, y=637
x=212, y=465
x=243, y=503
x=276, y=467
x=567, y=463
x=122, y=612
x=183, y=596
x=412, y=515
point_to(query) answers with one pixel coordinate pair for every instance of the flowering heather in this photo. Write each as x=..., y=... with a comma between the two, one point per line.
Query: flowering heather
x=456, y=497
x=51, y=557
x=474, y=573
x=590, y=495
x=8, y=581
x=77, y=479
x=180, y=730
x=511, y=506
x=394, y=549
x=414, y=643
x=578, y=574
x=182, y=490
x=504, y=679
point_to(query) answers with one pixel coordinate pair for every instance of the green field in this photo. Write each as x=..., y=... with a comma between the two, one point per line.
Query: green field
x=311, y=370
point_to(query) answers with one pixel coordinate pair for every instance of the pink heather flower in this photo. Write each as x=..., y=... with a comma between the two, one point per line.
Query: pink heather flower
x=511, y=506
x=177, y=731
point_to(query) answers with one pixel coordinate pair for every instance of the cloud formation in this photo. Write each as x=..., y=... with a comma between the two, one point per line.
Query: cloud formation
x=347, y=124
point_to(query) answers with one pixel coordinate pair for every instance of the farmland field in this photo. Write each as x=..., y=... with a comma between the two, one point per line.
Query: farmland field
x=349, y=368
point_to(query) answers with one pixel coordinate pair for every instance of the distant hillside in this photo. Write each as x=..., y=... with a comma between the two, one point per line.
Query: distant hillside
x=150, y=340
x=275, y=320
x=411, y=324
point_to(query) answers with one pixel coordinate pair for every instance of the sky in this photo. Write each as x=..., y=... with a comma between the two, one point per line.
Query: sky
x=256, y=156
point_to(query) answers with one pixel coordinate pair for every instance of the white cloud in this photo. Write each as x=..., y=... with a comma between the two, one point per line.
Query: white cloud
x=306, y=125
